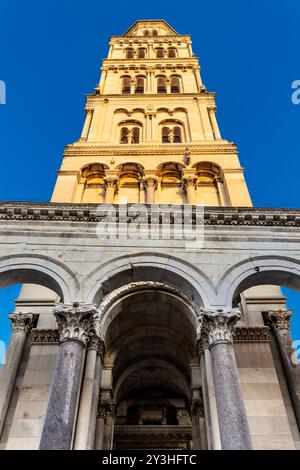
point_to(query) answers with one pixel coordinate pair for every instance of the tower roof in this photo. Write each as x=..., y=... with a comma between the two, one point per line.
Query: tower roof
x=162, y=27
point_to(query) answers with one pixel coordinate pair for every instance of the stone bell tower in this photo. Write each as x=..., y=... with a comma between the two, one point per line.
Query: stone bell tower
x=149, y=345
x=150, y=133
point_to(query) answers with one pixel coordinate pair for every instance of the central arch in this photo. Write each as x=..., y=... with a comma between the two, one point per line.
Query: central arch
x=149, y=329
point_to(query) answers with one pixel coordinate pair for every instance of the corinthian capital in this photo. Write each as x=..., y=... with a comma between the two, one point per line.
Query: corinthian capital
x=280, y=318
x=74, y=321
x=218, y=325
x=21, y=321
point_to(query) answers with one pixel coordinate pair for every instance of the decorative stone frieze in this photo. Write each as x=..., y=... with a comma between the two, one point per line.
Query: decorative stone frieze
x=227, y=216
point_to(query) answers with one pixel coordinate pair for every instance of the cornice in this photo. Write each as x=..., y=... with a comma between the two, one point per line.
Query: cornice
x=146, y=96
x=213, y=215
x=83, y=149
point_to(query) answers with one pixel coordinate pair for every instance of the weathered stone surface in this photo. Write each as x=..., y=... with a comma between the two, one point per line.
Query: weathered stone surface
x=234, y=429
x=60, y=416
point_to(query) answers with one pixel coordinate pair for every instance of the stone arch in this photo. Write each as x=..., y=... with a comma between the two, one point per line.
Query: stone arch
x=258, y=270
x=151, y=266
x=39, y=269
x=111, y=301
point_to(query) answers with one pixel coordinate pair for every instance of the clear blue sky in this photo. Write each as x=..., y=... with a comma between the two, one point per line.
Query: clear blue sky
x=51, y=53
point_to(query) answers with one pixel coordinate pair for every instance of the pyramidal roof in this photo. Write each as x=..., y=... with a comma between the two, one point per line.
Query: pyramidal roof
x=161, y=27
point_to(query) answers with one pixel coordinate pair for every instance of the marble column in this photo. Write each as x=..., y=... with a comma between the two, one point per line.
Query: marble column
x=150, y=182
x=218, y=326
x=214, y=124
x=111, y=185
x=86, y=421
x=280, y=324
x=87, y=124
x=189, y=181
x=74, y=323
x=21, y=324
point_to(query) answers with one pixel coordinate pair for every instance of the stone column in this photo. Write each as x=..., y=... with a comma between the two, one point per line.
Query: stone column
x=221, y=191
x=189, y=182
x=86, y=422
x=280, y=324
x=105, y=424
x=111, y=182
x=21, y=324
x=214, y=124
x=150, y=182
x=87, y=124
x=218, y=326
x=208, y=392
x=74, y=323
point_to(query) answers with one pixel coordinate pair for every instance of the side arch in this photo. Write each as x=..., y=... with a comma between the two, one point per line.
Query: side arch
x=41, y=270
x=258, y=270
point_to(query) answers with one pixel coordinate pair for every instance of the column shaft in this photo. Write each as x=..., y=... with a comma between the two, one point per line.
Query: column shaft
x=84, y=413
x=59, y=422
x=234, y=429
x=87, y=125
x=21, y=325
x=214, y=124
x=215, y=430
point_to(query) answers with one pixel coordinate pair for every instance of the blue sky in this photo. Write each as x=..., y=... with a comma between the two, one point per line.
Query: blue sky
x=50, y=56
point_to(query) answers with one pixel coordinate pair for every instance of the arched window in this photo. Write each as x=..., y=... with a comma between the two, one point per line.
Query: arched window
x=161, y=85
x=155, y=32
x=171, y=135
x=175, y=84
x=159, y=53
x=140, y=85
x=171, y=52
x=146, y=32
x=129, y=53
x=130, y=135
x=141, y=53
x=126, y=81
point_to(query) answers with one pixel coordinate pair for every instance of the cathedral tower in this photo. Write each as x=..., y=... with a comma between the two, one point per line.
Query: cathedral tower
x=151, y=133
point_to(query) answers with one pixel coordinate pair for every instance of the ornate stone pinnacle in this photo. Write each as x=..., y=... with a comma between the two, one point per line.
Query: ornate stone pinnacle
x=280, y=318
x=218, y=325
x=21, y=321
x=74, y=321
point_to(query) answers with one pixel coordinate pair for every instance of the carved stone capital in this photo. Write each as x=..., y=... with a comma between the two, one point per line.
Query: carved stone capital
x=188, y=181
x=212, y=109
x=197, y=410
x=106, y=408
x=21, y=321
x=74, y=321
x=218, y=325
x=150, y=181
x=280, y=318
x=111, y=181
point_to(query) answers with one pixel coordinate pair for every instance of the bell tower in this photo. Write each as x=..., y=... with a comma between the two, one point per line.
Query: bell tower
x=150, y=133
